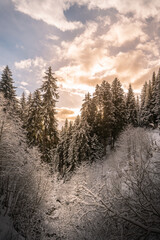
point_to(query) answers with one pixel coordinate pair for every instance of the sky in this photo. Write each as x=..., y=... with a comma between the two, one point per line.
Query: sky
x=85, y=42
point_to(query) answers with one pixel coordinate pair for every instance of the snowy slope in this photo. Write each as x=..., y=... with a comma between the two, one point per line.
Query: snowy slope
x=72, y=215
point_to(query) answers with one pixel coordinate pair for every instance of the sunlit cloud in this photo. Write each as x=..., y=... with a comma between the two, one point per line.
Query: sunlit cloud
x=28, y=63
x=125, y=30
x=51, y=12
x=67, y=113
x=140, y=8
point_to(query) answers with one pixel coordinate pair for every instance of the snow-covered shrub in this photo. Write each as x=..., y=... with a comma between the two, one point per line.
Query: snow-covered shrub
x=23, y=178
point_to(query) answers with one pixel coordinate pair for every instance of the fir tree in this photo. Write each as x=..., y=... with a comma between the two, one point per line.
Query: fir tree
x=6, y=85
x=49, y=99
x=131, y=108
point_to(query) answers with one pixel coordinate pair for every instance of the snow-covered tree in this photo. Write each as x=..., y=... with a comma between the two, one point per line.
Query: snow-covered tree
x=84, y=146
x=131, y=107
x=34, y=122
x=7, y=85
x=119, y=108
x=23, y=108
x=105, y=112
x=49, y=99
x=157, y=98
x=88, y=110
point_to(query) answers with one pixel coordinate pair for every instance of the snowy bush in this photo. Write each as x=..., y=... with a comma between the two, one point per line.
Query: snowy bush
x=23, y=178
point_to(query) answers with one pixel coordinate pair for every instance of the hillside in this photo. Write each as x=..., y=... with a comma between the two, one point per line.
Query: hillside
x=102, y=200
x=80, y=210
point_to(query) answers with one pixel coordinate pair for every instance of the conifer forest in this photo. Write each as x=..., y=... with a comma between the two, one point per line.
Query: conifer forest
x=98, y=177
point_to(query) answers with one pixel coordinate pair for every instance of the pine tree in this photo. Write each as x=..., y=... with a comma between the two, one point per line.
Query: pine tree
x=49, y=99
x=131, y=108
x=6, y=85
x=119, y=109
x=34, y=123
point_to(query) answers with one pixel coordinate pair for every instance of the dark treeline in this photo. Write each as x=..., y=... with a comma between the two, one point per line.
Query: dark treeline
x=103, y=117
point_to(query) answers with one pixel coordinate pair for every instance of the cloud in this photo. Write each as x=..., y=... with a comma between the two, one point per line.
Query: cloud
x=125, y=30
x=67, y=113
x=24, y=83
x=64, y=113
x=140, y=8
x=51, y=12
x=150, y=47
x=2, y=68
x=30, y=72
x=52, y=37
x=28, y=63
x=25, y=90
x=84, y=51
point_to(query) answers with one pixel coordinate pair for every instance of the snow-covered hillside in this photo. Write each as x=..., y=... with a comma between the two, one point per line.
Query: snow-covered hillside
x=115, y=198
x=79, y=205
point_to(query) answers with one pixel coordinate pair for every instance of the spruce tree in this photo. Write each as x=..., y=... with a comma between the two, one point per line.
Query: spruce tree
x=23, y=108
x=131, y=108
x=7, y=85
x=89, y=111
x=84, y=146
x=119, y=109
x=61, y=155
x=105, y=113
x=148, y=116
x=157, y=99
x=153, y=100
x=49, y=99
x=34, y=123
x=143, y=103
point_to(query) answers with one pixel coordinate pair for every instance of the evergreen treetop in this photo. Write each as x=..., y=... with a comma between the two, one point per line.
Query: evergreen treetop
x=7, y=85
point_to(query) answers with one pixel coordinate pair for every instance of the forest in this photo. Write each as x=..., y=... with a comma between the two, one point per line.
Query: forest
x=96, y=178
